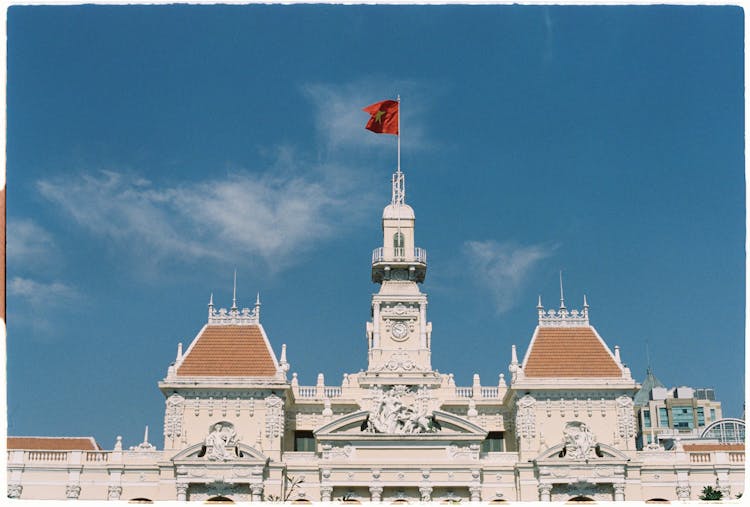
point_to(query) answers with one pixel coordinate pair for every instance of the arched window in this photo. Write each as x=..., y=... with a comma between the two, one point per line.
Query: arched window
x=398, y=244
x=219, y=499
x=657, y=500
x=580, y=499
x=140, y=500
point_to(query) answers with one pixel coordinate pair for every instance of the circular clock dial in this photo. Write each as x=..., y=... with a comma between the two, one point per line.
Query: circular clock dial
x=399, y=330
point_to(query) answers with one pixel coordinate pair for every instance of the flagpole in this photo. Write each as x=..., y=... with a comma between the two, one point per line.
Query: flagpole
x=398, y=165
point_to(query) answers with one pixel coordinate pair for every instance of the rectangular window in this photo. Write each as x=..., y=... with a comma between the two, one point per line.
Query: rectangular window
x=493, y=442
x=701, y=416
x=304, y=441
x=682, y=418
x=647, y=419
x=713, y=414
x=663, y=421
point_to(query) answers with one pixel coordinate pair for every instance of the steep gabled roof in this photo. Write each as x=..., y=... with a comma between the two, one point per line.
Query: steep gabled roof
x=229, y=351
x=572, y=352
x=54, y=443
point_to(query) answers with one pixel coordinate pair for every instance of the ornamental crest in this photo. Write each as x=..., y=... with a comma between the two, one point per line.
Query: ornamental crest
x=400, y=410
x=274, y=416
x=173, y=417
x=625, y=417
x=525, y=417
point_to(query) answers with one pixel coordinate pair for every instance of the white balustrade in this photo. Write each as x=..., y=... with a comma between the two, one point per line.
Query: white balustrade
x=700, y=457
x=307, y=391
x=47, y=456
x=490, y=392
x=736, y=457
x=399, y=254
x=332, y=392
x=464, y=392
x=97, y=457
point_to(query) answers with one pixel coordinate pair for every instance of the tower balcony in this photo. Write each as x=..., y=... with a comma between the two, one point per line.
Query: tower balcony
x=419, y=256
x=399, y=264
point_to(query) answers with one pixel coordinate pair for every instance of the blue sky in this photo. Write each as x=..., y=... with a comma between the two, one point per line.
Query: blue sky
x=154, y=149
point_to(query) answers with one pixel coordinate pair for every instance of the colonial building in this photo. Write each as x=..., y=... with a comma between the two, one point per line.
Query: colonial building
x=238, y=426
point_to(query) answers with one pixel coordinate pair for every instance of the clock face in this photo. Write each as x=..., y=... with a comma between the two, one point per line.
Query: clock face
x=399, y=330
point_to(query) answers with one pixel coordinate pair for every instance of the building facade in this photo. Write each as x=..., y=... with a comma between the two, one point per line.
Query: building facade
x=238, y=426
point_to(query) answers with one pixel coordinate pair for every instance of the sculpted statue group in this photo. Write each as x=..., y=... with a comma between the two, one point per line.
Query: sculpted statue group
x=391, y=415
x=220, y=442
x=580, y=441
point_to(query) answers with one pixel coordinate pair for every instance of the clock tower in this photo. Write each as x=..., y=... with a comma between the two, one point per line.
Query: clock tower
x=398, y=335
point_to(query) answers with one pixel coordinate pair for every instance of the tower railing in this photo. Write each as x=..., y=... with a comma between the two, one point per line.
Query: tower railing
x=400, y=255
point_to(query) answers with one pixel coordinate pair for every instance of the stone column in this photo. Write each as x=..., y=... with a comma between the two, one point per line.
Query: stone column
x=14, y=490
x=114, y=492
x=72, y=491
x=182, y=488
x=376, y=325
x=476, y=493
x=325, y=493
x=683, y=492
x=426, y=493
x=619, y=492
x=256, y=492
x=376, y=493
x=545, y=492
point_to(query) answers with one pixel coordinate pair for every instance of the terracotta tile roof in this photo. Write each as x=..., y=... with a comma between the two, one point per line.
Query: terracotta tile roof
x=714, y=447
x=229, y=351
x=54, y=443
x=569, y=352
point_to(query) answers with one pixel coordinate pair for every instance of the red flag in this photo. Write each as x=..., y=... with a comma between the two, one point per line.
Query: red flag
x=383, y=117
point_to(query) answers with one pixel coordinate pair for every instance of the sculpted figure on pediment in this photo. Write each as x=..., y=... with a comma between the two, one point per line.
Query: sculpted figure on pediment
x=220, y=442
x=390, y=413
x=579, y=440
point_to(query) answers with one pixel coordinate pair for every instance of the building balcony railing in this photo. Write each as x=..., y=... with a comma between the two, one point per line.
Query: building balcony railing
x=400, y=255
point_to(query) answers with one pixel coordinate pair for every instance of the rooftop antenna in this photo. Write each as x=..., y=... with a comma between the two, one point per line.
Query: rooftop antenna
x=562, y=295
x=648, y=359
x=234, y=293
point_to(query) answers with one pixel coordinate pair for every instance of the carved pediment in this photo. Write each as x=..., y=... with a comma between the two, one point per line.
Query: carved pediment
x=355, y=426
x=239, y=452
x=557, y=454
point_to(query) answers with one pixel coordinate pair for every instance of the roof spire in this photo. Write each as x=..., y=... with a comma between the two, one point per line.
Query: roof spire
x=562, y=295
x=234, y=292
x=256, y=310
x=211, y=306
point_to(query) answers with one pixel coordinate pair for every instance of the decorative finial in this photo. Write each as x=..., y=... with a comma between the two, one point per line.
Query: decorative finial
x=257, y=299
x=539, y=304
x=145, y=435
x=179, y=352
x=562, y=295
x=234, y=292
x=211, y=306
x=282, y=360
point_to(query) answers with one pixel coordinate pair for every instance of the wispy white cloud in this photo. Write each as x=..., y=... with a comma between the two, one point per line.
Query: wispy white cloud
x=503, y=268
x=29, y=244
x=270, y=214
x=265, y=216
x=35, y=292
x=32, y=302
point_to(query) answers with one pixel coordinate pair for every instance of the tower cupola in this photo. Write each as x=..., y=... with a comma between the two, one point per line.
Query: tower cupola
x=398, y=258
